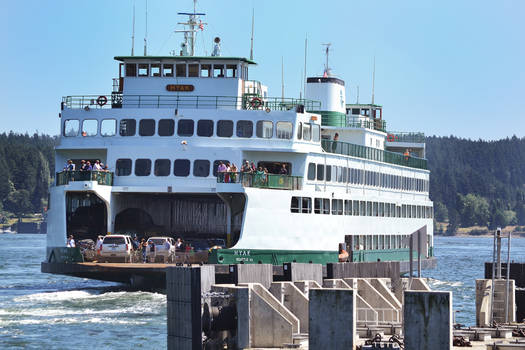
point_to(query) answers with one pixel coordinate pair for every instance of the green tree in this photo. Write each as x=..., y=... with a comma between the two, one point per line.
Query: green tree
x=18, y=202
x=474, y=210
x=440, y=212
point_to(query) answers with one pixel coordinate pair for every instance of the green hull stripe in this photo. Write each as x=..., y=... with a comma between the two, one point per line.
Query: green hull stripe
x=274, y=257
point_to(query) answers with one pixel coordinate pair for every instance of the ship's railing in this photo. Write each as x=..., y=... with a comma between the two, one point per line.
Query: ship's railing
x=191, y=102
x=271, y=181
x=416, y=137
x=365, y=152
x=367, y=123
x=101, y=177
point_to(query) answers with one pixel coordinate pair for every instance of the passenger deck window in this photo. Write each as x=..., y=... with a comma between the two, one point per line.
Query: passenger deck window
x=180, y=69
x=142, y=167
x=320, y=172
x=166, y=127
x=225, y=128
x=299, y=130
x=181, y=167
x=127, y=127
x=307, y=132
x=294, y=204
x=143, y=70
x=311, y=171
x=244, y=128
x=155, y=70
x=89, y=127
x=108, y=127
x=201, y=168
x=162, y=167
x=123, y=167
x=193, y=70
x=167, y=70
x=264, y=129
x=316, y=132
x=147, y=127
x=71, y=127
x=131, y=69
x=306, y=205
x=205, y=127
x=284, y=130
x=205, y=70
x=185, y=127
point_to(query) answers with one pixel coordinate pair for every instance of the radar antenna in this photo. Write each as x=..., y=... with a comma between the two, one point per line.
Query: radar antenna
x=133, y=32
x=327, y=70
x=146, y=34
x=193, y=26
x=374, y=80
x=251, y=43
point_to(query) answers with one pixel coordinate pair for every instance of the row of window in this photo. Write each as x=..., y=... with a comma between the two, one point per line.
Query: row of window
x=183, y=70
x=379, y=242
x=162, y=167
x=187, y=127
x=335, y=173
x=359, y=208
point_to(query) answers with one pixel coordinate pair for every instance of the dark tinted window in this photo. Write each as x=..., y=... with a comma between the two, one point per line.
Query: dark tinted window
x=162, y=167
x=225, y=128
x=127, y=127
x=142, y=167
x=131, y=70
x=311, y=171
x=205, y=127
x=201, y=168
x=216, y=165
x=123, y=167
x=114, y=240
x=147, y=127
x=328, y=173
x=166, y=127
x=244, y=128
x=320, y=172
x=185, y=127
x=181, y=167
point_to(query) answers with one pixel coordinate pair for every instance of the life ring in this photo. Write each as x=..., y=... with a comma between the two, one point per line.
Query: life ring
x=102, y=100
x=256, y=102
x=390, y=138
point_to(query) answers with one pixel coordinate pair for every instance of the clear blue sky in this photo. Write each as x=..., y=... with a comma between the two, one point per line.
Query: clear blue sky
x=442, y=67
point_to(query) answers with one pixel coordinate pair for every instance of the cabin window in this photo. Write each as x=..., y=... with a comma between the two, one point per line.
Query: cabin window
x=155, y=70
x=328, y=173
x=162, y=167
x=381, y=209
x=299, y=130
x=147, y=127
x=326, y=206
x=306, y=207
x=168, y=70
x=307, y=132
x=231, y=71
x=201, y=168
x=131, y=69
x=193, y=70
x=218, y=70
x=337, y=207
x=205, y=70
x=123, y=167
x=294, y=205
x=374, y=209
x=284, y=130
x=355, y=111
x=181, y=167
x=180, y=70
x=311, y=171
x=345, y=173
x=108, y=127
x=205, y=127
x=89, y=127
x=348, y=207
x=355, y=208
x=127, y=127
x=321, y=206
x=142, y=167
x=392, y=210
x=316, y=133
x=185, y=127
x=320, y=172
x=362, y=208
x=264, y=129
x=166, y=127
x=244, y=128
x=143, y=70
x=225, y=128
x=216, y=166
x=71, y=127
x=369, y=209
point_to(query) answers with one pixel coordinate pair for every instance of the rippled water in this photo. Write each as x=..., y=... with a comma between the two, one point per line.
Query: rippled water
x=42, y=311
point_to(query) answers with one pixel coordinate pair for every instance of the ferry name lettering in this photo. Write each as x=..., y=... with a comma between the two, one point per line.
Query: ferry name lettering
x=242, y=252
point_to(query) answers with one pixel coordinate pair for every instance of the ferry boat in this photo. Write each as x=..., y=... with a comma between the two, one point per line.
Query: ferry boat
x=171, y=120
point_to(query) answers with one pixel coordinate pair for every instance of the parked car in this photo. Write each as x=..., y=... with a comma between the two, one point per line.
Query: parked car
x=162, y=251
x=116, y=247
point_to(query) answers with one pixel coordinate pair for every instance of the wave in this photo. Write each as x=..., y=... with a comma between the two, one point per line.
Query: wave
x=76, y=295
x=71, y=320
x=438, y=283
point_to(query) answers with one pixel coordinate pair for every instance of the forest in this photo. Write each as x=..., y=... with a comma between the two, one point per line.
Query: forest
x=472, y=183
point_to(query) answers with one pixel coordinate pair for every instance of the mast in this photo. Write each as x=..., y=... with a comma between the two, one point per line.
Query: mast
x=146, y=34
x=373, y=79
x=282, y=78
x=326, y=67
x=251, y=43
x=133, y=32
x=305, y=51
x=193, y=25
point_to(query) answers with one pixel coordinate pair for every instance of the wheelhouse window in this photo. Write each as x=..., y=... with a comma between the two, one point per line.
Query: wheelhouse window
x=89, y=127
x=320, y=172
x=147, y=127
x=181, y=167
x=264, y=129
x=71, y=127
x=205, y=127
x=316, y=133
x=193, y=70
x=225, y=128
x=311, y=171
x=231, y=71
x=205, y=70
x=142, y=167
x=166, y=127
x=201, y=168
x=143, y=70
x=131, y=69
x=307, y=132
x=162, y=167
x=108, y=127
x=185, y=127
x=180, y=69
x=218, y=70
x=127, y=127
x=284, y=130
x=155, y=70
x=167, y=70
x=244, y=128
x=123, y=167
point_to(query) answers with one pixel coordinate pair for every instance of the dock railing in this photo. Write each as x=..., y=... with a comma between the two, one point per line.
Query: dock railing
x=270, y=181
x=101, y=177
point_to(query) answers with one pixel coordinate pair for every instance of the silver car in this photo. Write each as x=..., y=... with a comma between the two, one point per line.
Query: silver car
x=164, y=249
x=116, y=248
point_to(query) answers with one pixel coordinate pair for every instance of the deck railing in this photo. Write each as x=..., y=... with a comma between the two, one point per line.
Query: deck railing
x=271, y=181
x=101, y=177
x=416, y=137
x=365, y=152
x=191, y=102
x=368, y=123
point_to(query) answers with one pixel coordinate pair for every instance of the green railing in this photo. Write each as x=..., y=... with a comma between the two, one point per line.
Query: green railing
x=365, y=152
x=192, y=102
x=272, y=181
x=417, y=137
x=374, y=124
x=101, y=177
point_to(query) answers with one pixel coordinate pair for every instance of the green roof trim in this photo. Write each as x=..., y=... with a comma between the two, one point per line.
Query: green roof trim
x=362, y=105
x=184, y=58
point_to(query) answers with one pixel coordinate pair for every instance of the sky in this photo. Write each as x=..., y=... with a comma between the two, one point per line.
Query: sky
x=444, y=67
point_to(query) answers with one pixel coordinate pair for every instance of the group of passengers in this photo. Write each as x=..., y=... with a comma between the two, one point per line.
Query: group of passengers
x=229, y=172
x=86, y=166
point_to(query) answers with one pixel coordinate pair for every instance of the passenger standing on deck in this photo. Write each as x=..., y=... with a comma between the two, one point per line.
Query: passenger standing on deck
x=70, y=166
x=71, y=242
x=334, y=143
x=98, y=245
x=152, y=251
x=97, y=166
x=144, y=248
x=179, y=246
x=283, y=170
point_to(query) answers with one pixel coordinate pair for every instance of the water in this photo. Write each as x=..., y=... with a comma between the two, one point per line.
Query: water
x=42, y=311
